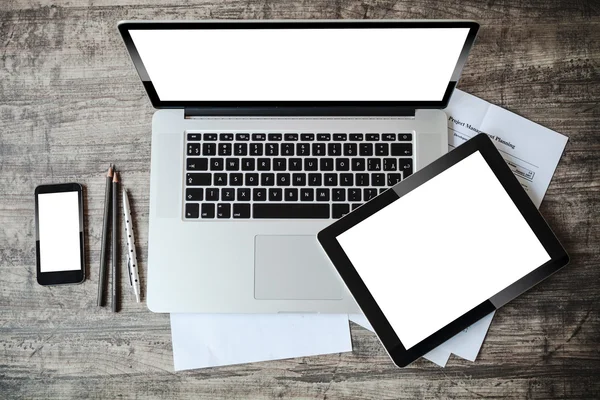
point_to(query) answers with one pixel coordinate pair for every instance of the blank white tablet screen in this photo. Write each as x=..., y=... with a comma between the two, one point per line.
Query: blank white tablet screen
x=442, y=249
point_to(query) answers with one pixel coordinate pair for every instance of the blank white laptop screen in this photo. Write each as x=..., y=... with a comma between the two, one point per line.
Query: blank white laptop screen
x=391, y=64
x=442, y=249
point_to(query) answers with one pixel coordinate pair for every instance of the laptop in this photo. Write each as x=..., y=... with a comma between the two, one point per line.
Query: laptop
x=268, y=131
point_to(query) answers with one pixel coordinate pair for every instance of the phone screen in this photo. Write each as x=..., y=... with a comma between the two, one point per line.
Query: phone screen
x=58, y=224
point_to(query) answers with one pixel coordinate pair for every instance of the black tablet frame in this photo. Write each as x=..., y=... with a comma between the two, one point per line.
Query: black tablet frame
x=308, y=107
x=399, y=354
x=60, y=277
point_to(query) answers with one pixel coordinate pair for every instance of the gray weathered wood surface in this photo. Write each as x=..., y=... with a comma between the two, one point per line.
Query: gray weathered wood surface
x=71, y=102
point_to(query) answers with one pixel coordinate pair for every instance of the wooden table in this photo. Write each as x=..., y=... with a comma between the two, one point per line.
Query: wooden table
x=71, y=102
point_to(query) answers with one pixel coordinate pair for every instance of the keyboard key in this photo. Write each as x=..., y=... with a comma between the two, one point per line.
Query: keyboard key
x=401, y=149
x=259, y=137
x=323, y=137
x=374, y=164
x=354, y=194
x=372, y=137
x=330, y=180
x=236, y=179
x=228, y=194
x=223, y=210
x=355, y=206
x=198, y=179
x=358, y=164
x=291, y=137
x=240, y=149
x=382, y=190
x=310, y=164
x=389, y=164
x=326, y=164
x=303, y=149
x=342, y=164
x=197, y=164
x=366, y=149
x=405, y=137
x=339, y=210
x=287, y=149
x=284, y=211
x=210, y=137
x=406, y=166
x=241, y=211
x=232, y=164
x=252, y=179
x=193, y=149
x=279, y=164
x=192, y=210
x=194, y=136
x=259, y=194
x=307, y=137
x=382, y=149
x=209, y=149
x=267, y=179
x=334, y=149
x=248, y=164
x=346, y=180
x=216, y=164
x=299, y=179
x=291, y=194
x=275, y=194
x=314, y=179
x=369, y=194
x=272, y=149
x=356, y=137
x=242, y=137
x=256, y=149
x=338, y=194
x=226, y=137
x=322, y=194
x=208, y=210
x=194, y=194
x=378, y=179
x=220, y=179
x=318, y=149
x=283, y=179
x=263, y=164
x=295, y=164
x=212, y=194
x=362, y=179
x=307, y=194
x=388, y=137
x=243, y=194
x=275, y=137
x=340, y=137
x=350, y=149
x=393, y=179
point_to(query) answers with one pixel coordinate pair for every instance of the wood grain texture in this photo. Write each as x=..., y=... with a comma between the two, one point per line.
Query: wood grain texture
x=71, y=102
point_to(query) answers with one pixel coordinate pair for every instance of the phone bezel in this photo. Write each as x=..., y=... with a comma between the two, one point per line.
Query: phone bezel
x=60, y=277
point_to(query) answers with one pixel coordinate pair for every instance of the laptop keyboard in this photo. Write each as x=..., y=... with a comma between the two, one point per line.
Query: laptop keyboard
x=290, y=175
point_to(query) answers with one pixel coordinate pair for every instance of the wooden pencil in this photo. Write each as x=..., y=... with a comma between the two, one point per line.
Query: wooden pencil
x=115, y=237
x=102, y=271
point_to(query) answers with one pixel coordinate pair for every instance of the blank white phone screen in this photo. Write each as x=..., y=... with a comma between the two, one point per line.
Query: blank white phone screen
x=58, y=225
x=392, y=64
x=442, y=249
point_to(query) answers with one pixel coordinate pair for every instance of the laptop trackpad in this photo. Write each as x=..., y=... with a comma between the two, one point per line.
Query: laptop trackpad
x=293, y=268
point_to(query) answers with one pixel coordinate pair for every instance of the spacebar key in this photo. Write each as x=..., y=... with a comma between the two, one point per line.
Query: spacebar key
x=283, y=211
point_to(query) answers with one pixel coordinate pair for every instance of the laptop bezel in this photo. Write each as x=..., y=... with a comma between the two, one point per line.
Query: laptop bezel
x=284, y=107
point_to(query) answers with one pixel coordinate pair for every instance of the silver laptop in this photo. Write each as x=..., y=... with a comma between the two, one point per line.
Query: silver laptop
x=265, y=133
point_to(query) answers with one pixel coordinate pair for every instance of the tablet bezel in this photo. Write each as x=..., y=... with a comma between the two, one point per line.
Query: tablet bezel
x=399, y=354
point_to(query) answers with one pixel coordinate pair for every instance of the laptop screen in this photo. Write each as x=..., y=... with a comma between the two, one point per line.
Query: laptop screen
x=393, y=64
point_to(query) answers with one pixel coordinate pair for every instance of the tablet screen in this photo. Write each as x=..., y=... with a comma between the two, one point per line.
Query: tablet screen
x=442, y=249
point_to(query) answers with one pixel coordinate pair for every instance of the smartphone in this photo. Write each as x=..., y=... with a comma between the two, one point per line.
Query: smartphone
x=59, y=234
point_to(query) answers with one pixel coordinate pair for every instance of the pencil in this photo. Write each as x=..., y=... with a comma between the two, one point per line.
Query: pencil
x=102, y=272
x=115, y=234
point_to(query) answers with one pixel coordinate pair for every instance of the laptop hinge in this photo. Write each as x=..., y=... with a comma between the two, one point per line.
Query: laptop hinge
x=344, y=111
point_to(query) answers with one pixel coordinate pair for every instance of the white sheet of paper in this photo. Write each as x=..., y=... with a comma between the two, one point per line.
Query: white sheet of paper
x=209, y=340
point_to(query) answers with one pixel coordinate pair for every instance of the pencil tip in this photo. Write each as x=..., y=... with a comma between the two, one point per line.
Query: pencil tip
x=116, y=177
x=110, y=171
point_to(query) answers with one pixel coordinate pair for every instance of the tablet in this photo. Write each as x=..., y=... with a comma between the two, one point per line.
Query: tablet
x=442, y=249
